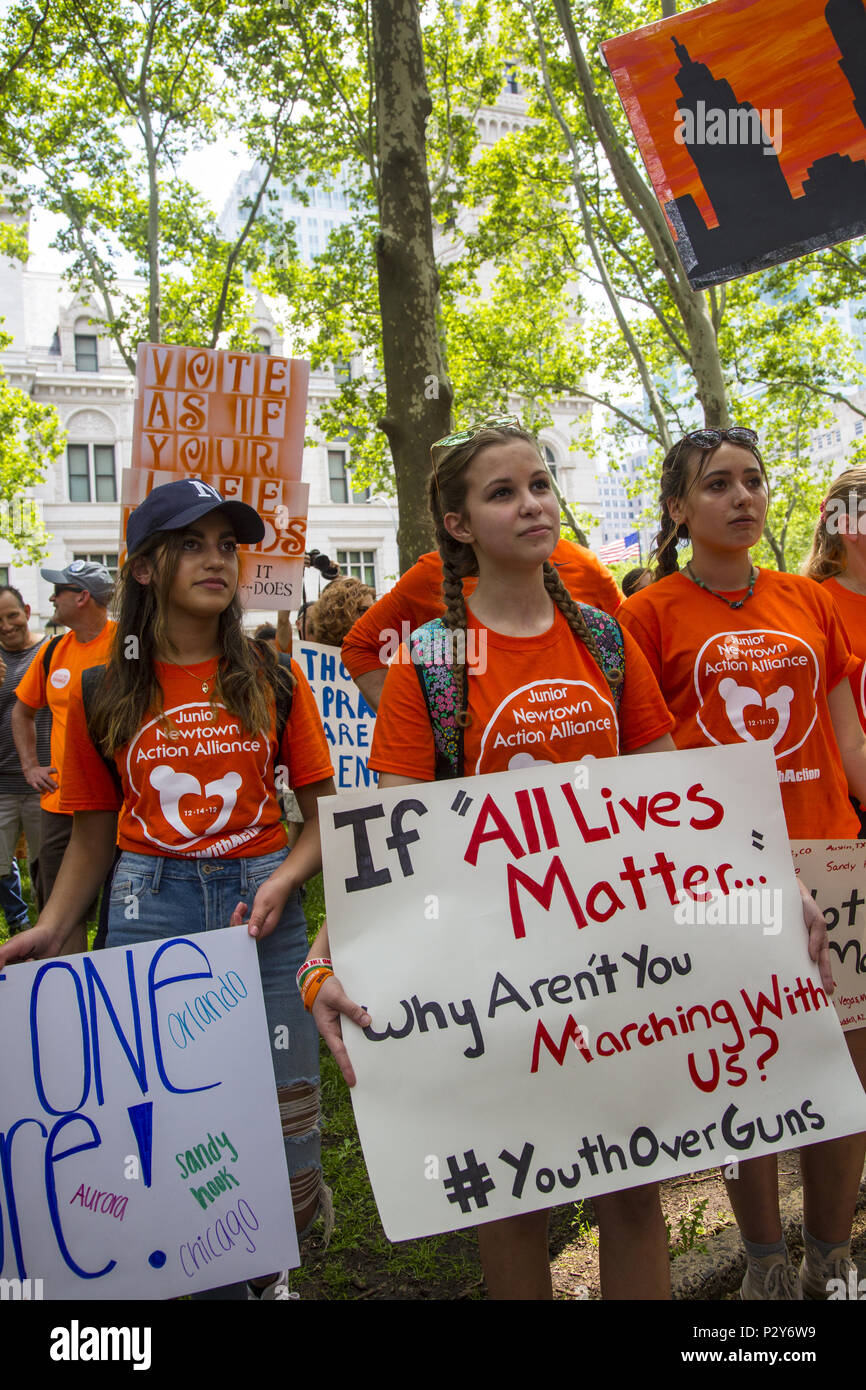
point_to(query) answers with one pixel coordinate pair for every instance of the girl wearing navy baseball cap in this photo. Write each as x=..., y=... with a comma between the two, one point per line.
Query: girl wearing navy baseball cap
x=181, y=732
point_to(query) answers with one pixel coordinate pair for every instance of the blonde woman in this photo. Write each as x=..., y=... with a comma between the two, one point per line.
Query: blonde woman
x=837, y=560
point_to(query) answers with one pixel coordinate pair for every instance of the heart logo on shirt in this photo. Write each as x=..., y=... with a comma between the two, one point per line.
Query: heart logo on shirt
x=173, y=786
x=759, y=686
x=739, y=698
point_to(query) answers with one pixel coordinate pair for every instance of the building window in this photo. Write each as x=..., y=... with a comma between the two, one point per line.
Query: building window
x=359, y=564
x=91, y=472
x=338, y=483
x=342, y=370
x=550, y=460
x=338, y=479
x=85, y=353
x=107, y=558
x=4, y=575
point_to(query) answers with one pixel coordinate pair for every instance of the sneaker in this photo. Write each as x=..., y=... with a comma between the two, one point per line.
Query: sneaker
x=277, y=1292
x=817, y=1270
x=770, y=1278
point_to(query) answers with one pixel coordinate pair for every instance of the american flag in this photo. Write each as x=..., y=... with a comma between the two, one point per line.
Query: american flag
x=626, y=549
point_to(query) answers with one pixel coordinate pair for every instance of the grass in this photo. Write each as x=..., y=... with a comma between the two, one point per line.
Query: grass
x=30, y=898
x=690, y=1229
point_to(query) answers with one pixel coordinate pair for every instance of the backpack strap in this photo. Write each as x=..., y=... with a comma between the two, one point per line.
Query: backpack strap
x=48, y=652
x=608, y=635
x=91, y=680
x=430, y=649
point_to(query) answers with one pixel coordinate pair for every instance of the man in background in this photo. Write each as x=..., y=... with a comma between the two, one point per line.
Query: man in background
x=81, y=595
x=19, y=803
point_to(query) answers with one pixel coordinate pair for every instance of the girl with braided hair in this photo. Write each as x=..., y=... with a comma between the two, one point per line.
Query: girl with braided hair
x=743, y=655
x=518, y=645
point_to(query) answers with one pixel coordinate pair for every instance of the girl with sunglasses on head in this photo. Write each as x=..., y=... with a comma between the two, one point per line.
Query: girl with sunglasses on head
x=192, y=862
x=744, y=655
x=497, y=518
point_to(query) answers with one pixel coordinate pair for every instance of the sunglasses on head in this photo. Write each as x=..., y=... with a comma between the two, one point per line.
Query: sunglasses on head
x=708, y=439
x=500, y=422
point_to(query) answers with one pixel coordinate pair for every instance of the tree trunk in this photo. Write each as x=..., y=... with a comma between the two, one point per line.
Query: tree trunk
x=418, y=392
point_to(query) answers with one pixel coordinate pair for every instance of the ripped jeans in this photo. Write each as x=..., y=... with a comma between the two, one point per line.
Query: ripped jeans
x=199, y=895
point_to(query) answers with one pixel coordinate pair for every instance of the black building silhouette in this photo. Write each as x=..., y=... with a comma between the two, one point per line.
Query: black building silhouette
x=846, y=20
x=760, y=221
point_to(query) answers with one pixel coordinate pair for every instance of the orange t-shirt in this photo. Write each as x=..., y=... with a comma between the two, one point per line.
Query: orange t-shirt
x=69, y=658
x=417, y=597
x=540, y=699
x=852, y=608
x=205, y=786
x=757, y=672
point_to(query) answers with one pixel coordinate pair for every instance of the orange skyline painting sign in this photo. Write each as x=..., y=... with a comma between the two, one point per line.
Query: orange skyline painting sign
x=750, y=116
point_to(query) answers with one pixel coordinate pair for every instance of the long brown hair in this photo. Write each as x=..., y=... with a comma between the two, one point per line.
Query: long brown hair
x=827, y=556
x=675, y=487
x=446, y=492
x=248, y=674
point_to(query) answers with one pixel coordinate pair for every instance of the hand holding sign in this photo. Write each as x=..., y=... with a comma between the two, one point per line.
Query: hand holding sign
x=332, y=1003
x=819, y=941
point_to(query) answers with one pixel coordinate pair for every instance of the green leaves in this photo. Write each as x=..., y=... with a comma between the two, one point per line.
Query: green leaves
x=30, y=438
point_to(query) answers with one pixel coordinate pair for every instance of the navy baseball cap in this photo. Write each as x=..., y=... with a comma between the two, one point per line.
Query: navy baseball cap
x=172, y=506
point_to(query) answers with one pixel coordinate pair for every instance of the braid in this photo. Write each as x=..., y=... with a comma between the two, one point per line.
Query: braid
x=454, y=618
x=664, y=550
x=575, y=619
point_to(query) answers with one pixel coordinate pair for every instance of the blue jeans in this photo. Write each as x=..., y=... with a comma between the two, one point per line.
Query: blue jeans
x=12, y=904
x=187, y=896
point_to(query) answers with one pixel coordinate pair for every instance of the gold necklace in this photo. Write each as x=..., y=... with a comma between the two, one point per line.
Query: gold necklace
x=205, y=686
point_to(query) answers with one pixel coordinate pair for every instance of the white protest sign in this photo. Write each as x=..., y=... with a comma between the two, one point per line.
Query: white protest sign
x=547, y=1023
x=835, y=874
x=347, y=718
x=141, y=1153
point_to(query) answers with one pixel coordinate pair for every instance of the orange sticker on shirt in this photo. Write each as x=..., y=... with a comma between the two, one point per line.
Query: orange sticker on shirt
x=757, y=686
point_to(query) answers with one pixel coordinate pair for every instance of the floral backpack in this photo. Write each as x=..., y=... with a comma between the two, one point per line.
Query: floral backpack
x=430, y=648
